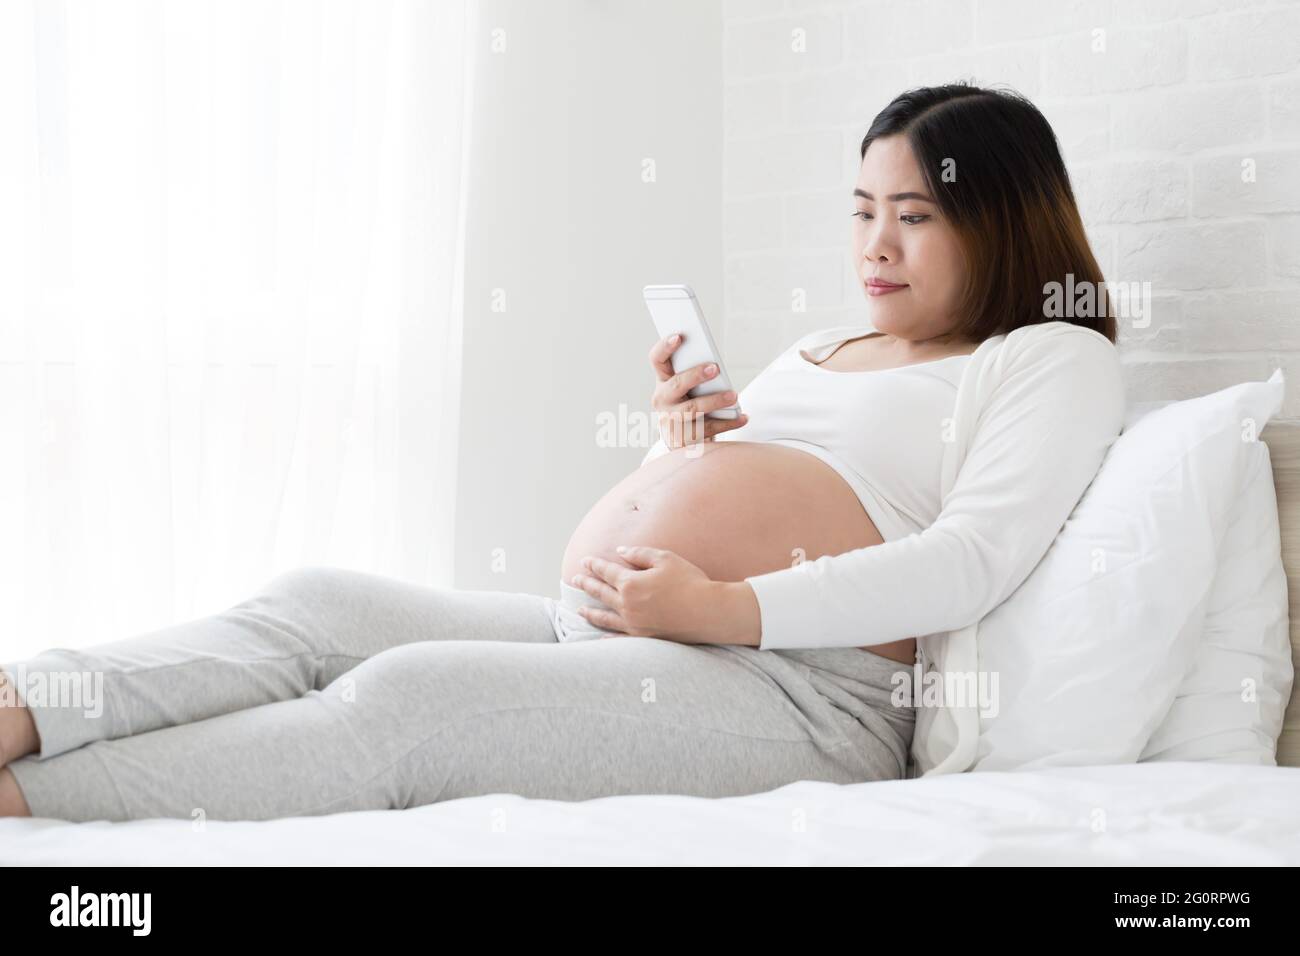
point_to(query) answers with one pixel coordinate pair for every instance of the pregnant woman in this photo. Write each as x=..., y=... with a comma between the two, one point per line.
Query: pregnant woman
x=763, y=588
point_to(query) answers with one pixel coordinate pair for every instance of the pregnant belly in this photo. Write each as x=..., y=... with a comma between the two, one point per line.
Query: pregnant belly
x=735, y=509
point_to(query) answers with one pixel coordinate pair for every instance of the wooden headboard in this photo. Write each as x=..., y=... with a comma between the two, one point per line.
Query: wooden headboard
x=1283, y=439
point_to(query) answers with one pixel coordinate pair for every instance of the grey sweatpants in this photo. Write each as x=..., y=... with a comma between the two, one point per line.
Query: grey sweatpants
x=333, y=690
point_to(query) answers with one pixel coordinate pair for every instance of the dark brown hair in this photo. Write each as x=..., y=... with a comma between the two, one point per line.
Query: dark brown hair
x=1009, y=200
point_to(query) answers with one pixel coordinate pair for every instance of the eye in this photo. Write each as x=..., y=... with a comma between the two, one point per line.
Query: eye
x=911, y=219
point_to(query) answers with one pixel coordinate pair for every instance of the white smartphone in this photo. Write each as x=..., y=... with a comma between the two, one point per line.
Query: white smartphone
x=674, y=308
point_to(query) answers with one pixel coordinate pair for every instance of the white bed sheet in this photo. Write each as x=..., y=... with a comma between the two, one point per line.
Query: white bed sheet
x=1156, y=813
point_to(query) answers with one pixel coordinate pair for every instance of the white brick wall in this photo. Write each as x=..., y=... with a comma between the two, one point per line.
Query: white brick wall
x=1156, y=130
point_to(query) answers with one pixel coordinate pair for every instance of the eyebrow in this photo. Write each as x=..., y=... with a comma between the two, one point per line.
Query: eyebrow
x=896, y=197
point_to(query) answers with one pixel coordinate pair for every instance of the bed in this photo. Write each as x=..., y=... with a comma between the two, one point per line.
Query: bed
x=1159, y=813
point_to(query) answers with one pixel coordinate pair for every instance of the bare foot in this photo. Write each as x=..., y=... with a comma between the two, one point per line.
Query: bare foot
x=12, y=802
x=18, y=735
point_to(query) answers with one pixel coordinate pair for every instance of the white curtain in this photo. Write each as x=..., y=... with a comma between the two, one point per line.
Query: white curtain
x=230, y=260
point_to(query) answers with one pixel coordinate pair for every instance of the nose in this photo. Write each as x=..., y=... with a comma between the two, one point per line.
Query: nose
x=877, y=243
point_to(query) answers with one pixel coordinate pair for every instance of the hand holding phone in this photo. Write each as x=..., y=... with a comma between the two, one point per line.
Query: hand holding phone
x=687, y=393
x=675, y=309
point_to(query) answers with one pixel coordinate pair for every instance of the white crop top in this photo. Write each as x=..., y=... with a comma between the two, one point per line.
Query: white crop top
x=881, y=430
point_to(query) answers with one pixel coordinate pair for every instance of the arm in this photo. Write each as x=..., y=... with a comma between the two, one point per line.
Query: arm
x=1037, y=446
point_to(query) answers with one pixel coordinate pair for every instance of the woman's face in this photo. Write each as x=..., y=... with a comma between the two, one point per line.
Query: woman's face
x=904, y=239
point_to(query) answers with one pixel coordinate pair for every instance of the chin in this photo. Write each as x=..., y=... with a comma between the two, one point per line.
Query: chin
x=889, y=321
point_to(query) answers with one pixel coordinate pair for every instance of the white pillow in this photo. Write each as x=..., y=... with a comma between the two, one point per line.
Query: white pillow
x=1229, y=706
x=1090, y=652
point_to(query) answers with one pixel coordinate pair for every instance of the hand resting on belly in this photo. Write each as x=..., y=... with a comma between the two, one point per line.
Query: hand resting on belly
x=734, y=509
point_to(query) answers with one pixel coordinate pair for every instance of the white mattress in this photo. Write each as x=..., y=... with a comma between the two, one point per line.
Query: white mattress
x=1152, y=813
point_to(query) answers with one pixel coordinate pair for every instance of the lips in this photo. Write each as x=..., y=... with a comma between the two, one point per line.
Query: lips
x=879, y=287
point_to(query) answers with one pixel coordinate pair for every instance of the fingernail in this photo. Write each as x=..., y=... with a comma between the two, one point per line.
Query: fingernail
x=575, y=579
x=621, y=549
x=710, y=369
x=674, y=339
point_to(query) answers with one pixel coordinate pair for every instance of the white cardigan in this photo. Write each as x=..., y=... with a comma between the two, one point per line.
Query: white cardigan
x=1036, y=410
